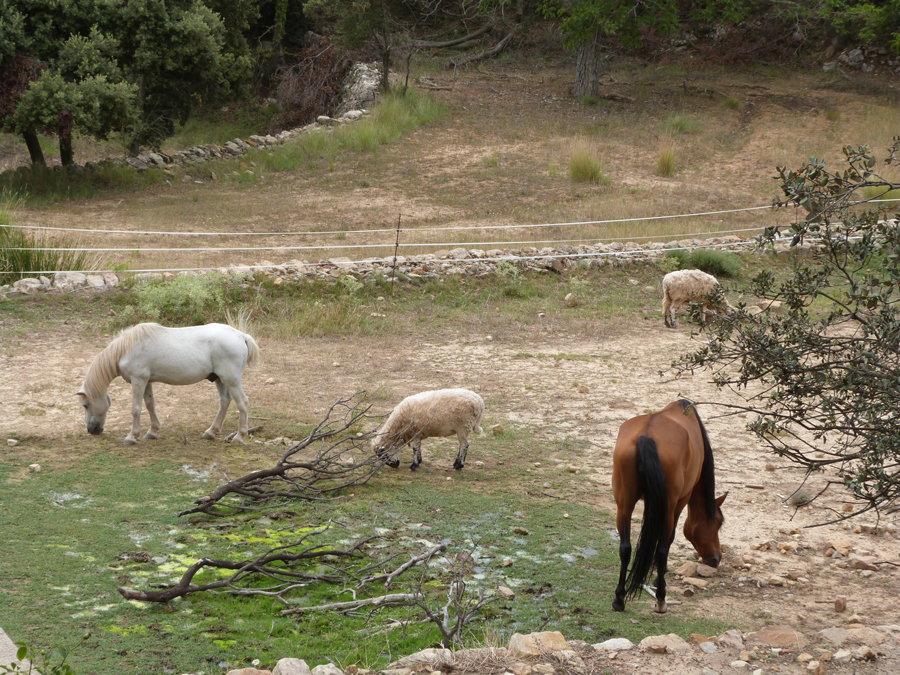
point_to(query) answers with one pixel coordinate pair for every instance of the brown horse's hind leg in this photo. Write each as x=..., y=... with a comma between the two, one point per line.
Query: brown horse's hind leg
x=623, y=525
x=662, y=562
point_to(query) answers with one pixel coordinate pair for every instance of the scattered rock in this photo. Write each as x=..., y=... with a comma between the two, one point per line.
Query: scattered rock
x=778, y=636
x=327, y=669
x=614, y=645
x=506, y=593
x=708, y=647
x=840, y=604
x=536, y=644
x=731, y=639
x=866, y=653
x=520, y=530
x=12, y=442
x=250, y=671
x=689, y=569
x=34, y=468
x=706, y=571
x=696, y=583
x=841, y=656
x=433, y=657
x=291, y=667
x=664, y=644
x=497, y=429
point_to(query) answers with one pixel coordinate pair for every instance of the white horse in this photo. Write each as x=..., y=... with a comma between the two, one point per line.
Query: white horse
x=148, y=353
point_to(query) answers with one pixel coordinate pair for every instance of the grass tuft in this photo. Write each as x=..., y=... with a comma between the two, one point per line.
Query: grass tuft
x=584, y=163
x=667, y=163
x=718, y=263
x=680, y=123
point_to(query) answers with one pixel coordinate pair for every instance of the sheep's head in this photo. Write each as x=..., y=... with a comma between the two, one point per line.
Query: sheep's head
x=384, y=449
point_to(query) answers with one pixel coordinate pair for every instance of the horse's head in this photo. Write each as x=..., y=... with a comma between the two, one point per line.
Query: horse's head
x=703, y=533
x=94, y=411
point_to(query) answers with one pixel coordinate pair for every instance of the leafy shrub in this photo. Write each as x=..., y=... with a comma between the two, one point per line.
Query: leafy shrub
x=680, y=259
x=718, y=263
x=185, y=300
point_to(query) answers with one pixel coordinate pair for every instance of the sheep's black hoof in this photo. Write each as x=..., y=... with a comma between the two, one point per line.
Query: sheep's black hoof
x=414, y=466
x=394, y=463
x=458, y=465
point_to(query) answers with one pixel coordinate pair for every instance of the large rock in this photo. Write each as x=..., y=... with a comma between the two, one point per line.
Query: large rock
x=68, y=281
x=614, y=645
x=28, y=285
x=664, y=644
x=249, y=671
x=327, y=669
x=778, y=636
x=535, y=644
x=291, y=667
x=434, y=657
x=732, y=639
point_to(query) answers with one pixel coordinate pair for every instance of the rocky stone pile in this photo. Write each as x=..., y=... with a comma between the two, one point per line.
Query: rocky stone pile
x=458, y=261
x=777, y=648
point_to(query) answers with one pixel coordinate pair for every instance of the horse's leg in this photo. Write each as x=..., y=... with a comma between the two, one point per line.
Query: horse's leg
x=662, y=561
x=623, y=525
x=461, y=455
x=137, y=394
x=224, y=402
x=153, y=432
x=416, y=446
x=243, y=406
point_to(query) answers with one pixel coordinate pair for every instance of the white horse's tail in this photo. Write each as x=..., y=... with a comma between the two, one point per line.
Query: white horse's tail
x=241, y=322
x=254, y=354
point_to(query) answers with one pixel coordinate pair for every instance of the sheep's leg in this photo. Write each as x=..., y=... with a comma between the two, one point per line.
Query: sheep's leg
x=668, y=312
x=461, y=456
x=417, y=454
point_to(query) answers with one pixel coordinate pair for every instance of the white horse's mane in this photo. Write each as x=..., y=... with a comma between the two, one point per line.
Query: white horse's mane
x=105, y=366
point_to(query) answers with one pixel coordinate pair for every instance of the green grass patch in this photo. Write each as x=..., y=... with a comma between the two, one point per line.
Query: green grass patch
x=76, y=531
x=712, y=261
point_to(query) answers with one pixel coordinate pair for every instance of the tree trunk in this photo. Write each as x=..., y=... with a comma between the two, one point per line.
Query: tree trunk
x=134, y=148
x=588, y=68
x=66, y=154
x=34, y=147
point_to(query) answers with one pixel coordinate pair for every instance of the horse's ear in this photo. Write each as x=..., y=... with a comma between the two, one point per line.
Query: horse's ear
x=81, y=394
x=721, y=499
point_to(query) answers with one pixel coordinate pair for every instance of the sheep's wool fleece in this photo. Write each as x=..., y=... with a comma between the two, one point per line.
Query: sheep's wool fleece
x=442, y=412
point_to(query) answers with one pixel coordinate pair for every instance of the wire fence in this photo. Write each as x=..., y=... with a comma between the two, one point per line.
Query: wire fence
x=400, y=241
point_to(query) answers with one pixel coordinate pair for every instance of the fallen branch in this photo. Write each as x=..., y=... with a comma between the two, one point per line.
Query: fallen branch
x=381, y=601
x=426, y=44
x=485, y=54
x=332, y=467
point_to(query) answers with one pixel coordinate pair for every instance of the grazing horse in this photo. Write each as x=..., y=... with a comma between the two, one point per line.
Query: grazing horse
x=148, y=353
x=666, y=460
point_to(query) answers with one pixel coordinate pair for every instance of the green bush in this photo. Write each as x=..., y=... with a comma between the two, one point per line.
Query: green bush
x=185, y=300
x=677, y=259
x=718, y=263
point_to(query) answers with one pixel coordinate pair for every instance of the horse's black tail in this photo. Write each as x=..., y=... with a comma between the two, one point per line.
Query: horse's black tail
x=656, y=508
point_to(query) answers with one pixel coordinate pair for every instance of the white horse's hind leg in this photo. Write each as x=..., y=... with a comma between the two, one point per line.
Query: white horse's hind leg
x=153, y=432
x=224, y=402
x=243, y=406
x=137, y=394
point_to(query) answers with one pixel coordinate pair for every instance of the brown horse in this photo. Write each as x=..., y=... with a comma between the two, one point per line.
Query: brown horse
x=666, y=460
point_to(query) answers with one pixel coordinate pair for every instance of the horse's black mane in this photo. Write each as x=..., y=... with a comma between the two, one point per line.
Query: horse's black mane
x=708, y=472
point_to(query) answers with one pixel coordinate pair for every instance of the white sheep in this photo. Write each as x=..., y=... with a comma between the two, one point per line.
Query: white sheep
x=430, y=414
x=683, y=287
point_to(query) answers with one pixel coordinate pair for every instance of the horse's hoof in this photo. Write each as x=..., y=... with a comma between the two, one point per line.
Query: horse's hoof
x=208, y=435
x=239, y=439
x=458, y=466
x=130, y=441
x=149, y=436
x=661, y=607
x=619, y=605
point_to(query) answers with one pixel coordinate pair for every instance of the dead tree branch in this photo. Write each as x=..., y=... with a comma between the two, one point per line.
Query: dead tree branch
x=427, y=44
x=484, y=54
x=381, y=601
x=316, y=468
x=285, y=565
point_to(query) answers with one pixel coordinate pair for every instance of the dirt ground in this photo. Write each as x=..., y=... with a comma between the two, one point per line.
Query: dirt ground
x=775, y=569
